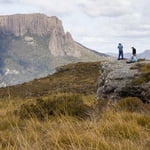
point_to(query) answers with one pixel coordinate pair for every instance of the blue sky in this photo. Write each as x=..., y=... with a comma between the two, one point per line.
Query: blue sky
x=97, y=24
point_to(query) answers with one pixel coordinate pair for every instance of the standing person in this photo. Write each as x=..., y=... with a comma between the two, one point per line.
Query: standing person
x=120, y=47
x=133, y=51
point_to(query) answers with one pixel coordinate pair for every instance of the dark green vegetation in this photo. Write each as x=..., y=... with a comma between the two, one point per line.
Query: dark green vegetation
x=65, y=104
x=74, y=78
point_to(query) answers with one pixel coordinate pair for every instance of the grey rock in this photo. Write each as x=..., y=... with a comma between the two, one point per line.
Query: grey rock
x=115, y=78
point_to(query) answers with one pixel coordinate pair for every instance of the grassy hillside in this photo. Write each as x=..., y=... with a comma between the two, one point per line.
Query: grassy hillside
x=60, y=112
x=75, y=78
x=117, y=128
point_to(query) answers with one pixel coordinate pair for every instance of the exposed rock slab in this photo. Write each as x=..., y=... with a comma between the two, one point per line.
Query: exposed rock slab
x=116, y=76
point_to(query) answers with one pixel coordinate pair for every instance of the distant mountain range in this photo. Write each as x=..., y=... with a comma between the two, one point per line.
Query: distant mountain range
x=33, y=45
x=145, y=54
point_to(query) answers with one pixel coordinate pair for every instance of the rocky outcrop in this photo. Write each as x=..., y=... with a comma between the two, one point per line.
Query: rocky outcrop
x=70, y=47
x=60, y=43
x=38, y=24
x=116, y=81
x=55, y=43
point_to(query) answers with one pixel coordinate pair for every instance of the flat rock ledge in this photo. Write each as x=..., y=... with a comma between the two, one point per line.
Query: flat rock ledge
x=116, y=76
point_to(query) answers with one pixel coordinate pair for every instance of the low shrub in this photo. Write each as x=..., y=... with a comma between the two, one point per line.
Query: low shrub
x=71, y=105
x=29, y=111
x=131, y=104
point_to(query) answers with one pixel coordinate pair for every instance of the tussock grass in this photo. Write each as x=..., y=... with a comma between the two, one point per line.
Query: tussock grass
x=145, y=74
x=63, y=104
x=131, y=104
x=114, y=130
x=46, y=115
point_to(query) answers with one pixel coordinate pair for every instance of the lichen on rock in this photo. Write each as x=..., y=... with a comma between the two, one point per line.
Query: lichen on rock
x=117, y=78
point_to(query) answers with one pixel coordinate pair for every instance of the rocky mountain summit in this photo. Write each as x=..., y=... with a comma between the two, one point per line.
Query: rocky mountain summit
x=119, y=79
x=60, y=43
x=38, y=24
x=33, y=45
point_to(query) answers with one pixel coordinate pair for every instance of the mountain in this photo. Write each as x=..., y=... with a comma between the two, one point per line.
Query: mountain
x=126, y=55
x=33, y=45
x=145, y=54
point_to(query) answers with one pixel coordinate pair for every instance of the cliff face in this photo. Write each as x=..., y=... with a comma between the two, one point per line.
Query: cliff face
x=60, y=44
x=38, y=24
x=33, y=45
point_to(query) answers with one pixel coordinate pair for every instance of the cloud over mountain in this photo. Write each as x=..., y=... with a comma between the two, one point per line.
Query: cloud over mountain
x=111, y=21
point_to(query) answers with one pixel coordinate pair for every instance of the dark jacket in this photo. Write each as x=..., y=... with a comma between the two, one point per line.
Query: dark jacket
x=133, y=51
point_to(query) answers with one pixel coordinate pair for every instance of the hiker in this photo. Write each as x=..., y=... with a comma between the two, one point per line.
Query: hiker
x=133, y=59
x=133, y=51
x=120, y=47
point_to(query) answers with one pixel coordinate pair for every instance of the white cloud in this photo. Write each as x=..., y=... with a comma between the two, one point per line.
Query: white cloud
x=106, y=7
x=55, y=6
x=98, y=24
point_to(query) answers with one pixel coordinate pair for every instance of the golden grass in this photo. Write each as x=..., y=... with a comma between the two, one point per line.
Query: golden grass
x=121, y=126
x=114, y=130
x=57, y=105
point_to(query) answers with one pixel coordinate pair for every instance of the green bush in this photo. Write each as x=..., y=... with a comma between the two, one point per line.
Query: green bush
x=131, y=104
x=71, y=105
